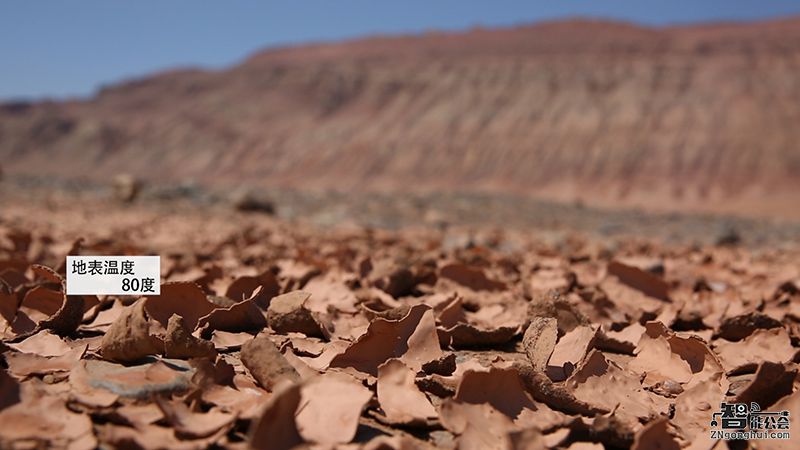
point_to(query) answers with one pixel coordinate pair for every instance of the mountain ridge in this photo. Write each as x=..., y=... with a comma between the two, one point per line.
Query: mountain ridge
x=698, y=117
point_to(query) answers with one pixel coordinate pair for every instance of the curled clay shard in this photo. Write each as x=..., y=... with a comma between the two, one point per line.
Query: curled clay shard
x=330, y=291
x=465, y=335
x=179, y=342
x=391, y=277
x=655, y=435
x=40, y=303
x=455, y=330
x=46, y=273
x=412, y=339
x=531, y=439
x=129, y=339
x=608, y=386
x=692, y=410
x=288, y=313
x=641, y=280
x=772, y=345
x=539, y=341
x=399, y=396
x=42, y=343
x=194, y=425
x=789, y=403
x=570, y=349
x=275, y=428
x=664, y=356
x=68, y=318
x=154, y=437
x=478, y=426
x=739, y=327
x=228, y=341
x=182, y=298
x=771, y=382
x=45, y=418
x=471, y=277
x=546, y=280
x=552, y=394
x=330, y=407
x=266, y=363
x=242, y=316
x=260, y=289
x=8, y=310
x=655, y=359
x=553, y=305
x=504, y=390
x=27, y=364
x=622, y=341
x=9, y=390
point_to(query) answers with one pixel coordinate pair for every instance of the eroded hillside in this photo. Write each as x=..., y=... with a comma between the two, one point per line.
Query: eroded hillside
x=690, y=118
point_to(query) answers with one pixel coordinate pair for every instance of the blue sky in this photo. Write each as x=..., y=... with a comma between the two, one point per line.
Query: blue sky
x=70, y=48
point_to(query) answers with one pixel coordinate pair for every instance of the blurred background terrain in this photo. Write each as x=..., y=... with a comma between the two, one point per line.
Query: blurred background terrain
x=569, y=121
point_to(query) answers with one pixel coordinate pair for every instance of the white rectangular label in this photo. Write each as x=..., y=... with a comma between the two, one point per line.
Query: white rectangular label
x=113, y=275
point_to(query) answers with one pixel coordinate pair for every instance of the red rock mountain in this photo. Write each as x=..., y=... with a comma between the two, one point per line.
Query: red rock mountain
x=701, y=117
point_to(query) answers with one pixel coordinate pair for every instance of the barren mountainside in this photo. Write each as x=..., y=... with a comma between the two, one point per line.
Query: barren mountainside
x=703, y=117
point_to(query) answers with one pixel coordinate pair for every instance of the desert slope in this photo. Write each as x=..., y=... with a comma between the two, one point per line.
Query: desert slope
x=699, y=117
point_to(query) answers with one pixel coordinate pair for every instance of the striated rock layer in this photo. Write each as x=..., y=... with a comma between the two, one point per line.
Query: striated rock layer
x=694, y=118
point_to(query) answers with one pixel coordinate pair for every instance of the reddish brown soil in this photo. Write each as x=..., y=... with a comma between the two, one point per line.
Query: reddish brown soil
x=271, y=335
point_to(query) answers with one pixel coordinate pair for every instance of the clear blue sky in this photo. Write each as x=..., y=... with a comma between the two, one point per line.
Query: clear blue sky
x=70, y=48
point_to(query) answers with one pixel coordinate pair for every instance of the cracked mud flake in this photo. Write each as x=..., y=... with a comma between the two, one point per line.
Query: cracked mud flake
x=242, y=316
x=692, y=411
x=42, y=418
x=193, y=425
x=26, y=364
x=259, y=289
x=655, y=435
x=504, y=391
x=289, y=313
x=329, y=408
x=478, y=426
x=276, y=429
x=570, y=350
x=763, y=345
x=182, y=298
x=789, y=403
x=324, y=410
x=412, y=339
x=228, y=341
x=608, y=386
x=471, y=277
x=42, y=343
x=399, y=396
x=539, y=341
x=657, y=358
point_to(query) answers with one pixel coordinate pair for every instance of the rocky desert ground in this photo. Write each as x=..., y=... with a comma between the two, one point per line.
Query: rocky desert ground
x=276, y=332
